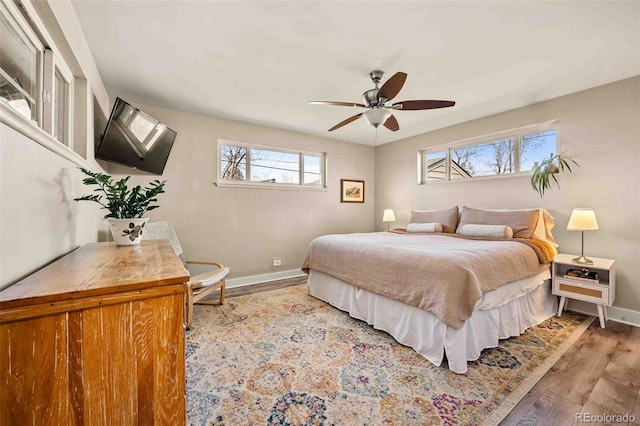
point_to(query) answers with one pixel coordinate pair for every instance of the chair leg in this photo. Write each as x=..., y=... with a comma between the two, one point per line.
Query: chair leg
x=208, y=302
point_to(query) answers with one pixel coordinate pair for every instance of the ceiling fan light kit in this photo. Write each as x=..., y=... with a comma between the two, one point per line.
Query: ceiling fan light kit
x=376, y=99
x=376, y=116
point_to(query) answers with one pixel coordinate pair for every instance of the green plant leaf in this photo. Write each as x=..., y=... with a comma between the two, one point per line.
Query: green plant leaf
x=542, y=176
x=120, y=201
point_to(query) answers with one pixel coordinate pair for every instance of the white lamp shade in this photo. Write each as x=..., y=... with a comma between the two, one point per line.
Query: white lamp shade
x=377, y=116
x=582, y=220
x=388, y=216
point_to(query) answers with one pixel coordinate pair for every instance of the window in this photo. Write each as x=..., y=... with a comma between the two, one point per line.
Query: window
x=61, y=113
x=259, y=165
x=535, y=147
x=20, y=60
x=34, y=80
x=506, y=153
x=56, y=98
x=313, y=165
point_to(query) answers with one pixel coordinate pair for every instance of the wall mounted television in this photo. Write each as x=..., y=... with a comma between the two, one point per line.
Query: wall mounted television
x=135, y=139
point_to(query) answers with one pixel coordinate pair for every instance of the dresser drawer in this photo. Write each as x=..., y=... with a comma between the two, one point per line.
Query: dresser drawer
x=580, y=290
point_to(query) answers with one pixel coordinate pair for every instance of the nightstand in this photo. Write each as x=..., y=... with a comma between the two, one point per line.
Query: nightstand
x=601, y=292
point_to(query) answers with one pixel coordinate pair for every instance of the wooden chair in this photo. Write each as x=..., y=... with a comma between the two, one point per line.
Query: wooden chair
x=202, y=285
x=199, y=286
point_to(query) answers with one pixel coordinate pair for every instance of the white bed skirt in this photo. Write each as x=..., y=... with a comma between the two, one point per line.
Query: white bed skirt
x=502, y=313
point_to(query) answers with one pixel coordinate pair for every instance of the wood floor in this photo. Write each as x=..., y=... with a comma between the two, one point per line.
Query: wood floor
x=599, y=375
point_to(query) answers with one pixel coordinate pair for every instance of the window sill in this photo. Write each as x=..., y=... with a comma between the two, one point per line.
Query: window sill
x=479, y=178
x=22, y=125
x=242, y=184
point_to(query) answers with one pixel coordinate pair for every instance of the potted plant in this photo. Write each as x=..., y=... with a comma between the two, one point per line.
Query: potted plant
x=126, y=206
x=543, y=173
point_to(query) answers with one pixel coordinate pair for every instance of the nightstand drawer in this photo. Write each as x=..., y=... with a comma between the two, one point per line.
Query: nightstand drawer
x=582, y=291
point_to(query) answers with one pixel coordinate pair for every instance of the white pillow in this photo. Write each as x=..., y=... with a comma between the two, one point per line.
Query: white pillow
x=543, y=228
x=424, y=227
x=487, y=231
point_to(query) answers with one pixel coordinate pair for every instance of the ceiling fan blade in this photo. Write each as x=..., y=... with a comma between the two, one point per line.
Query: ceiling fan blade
x=391, y=87
x=392, y=124
x=345, y=122
x=416, y=105
x=348, y=104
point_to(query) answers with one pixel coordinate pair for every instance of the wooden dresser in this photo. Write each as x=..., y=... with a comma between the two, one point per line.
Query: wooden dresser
x=96, y=338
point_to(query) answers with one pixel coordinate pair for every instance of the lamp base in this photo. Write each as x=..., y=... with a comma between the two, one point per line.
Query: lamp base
x=582, y=260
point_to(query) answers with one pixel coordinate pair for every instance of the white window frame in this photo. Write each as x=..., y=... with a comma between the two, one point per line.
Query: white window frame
x=53, y=64
x=515, y=134
x=24, y=30
x=271, y=185
x=43, y=131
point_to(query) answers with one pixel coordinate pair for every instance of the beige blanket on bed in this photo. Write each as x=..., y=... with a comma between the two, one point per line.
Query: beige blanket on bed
x=439, y=273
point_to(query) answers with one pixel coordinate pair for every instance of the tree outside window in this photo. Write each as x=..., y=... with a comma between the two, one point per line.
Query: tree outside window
x=491, y=158
x=261, y=165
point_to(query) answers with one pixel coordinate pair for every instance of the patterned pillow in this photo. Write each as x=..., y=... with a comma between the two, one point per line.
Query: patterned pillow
x=486, y=231
x=522, y=222
x=424, y=227
x=448, y=218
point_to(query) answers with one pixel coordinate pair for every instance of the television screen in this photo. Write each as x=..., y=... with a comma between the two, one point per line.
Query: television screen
x=134, y=139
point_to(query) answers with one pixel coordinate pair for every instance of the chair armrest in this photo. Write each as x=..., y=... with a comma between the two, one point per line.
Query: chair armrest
x=196, y=262
x=208, y=279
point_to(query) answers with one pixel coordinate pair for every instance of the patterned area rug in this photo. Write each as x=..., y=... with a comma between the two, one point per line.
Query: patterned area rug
x=283, y=357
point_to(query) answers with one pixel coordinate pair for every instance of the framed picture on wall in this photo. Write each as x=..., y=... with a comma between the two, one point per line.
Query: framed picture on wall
x=351, y=191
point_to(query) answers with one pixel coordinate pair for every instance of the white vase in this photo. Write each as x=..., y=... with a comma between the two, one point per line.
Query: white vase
x=127, y=232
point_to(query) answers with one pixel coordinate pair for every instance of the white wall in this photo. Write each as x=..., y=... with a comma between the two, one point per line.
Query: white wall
x=245, y=228
x=600, y=127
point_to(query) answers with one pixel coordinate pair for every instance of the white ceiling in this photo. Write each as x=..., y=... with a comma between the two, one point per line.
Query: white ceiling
x=262, y=61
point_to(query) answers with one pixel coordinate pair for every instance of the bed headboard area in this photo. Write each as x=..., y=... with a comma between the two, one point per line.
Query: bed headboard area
x=517, y=223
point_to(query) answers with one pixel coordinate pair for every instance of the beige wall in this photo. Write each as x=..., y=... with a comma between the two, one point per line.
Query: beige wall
x=600, y=127
x=39, y=220
x=246, y=227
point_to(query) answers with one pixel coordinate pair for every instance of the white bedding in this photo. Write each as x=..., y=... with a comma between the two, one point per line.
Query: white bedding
x=499, y=314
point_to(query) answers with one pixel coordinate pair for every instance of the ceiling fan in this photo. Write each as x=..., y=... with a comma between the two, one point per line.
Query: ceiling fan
x=376, y=99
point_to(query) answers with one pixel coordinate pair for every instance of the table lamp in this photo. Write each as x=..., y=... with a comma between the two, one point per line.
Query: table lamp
x=582, y=220
x=388, y=216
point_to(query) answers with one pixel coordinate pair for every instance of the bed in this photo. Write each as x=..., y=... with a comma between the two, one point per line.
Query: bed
x=445, y=294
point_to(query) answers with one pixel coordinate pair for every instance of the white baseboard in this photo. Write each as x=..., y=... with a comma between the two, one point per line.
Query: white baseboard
x=625, y=316
x=263, y=278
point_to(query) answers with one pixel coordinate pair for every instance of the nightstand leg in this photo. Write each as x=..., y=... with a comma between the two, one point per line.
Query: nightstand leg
x=561, y=305
x=601, y=315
